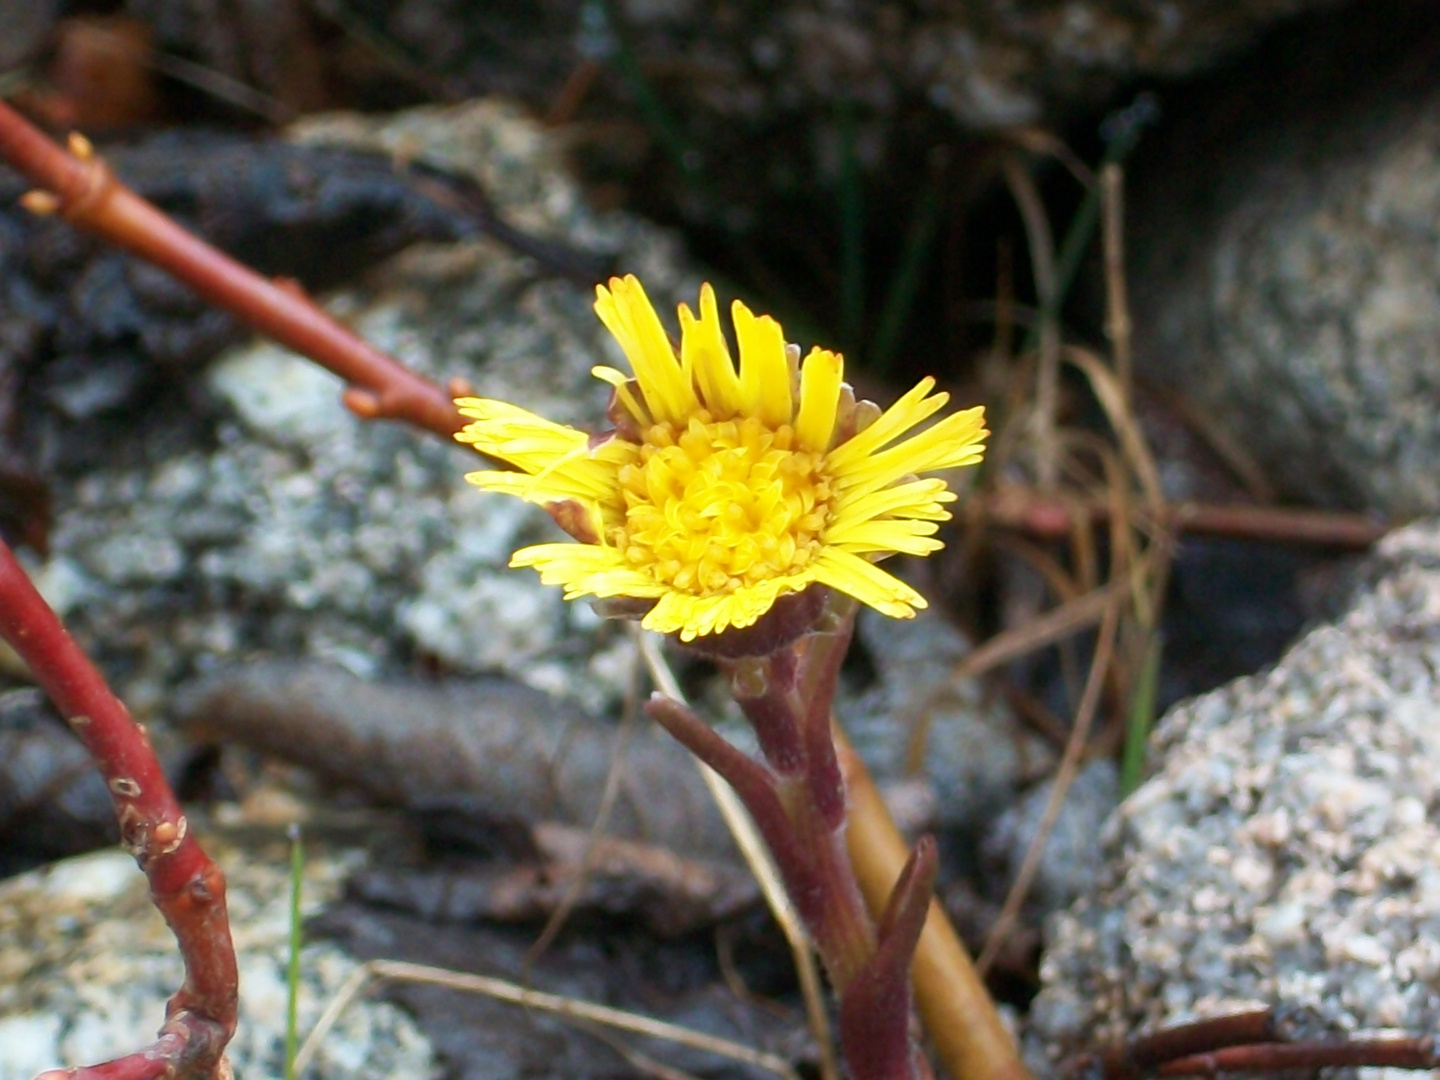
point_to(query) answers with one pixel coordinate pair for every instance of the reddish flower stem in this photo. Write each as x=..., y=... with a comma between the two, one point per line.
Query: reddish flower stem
x=959, y=1014
x=875, y=1010
x=797, y=798
x=185, y=883
x=754, y=785
x=824, y=653
x=80, y=188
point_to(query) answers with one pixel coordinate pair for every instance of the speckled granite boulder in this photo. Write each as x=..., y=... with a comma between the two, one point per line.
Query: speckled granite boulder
x=1286, y=262
x=1284, y=851
x=86, y=964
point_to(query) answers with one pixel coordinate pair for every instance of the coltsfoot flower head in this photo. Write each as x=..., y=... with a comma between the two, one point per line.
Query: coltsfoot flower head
x=723, y=488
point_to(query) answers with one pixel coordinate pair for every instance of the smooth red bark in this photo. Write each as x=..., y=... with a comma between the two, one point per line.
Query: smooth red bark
x=185, y=884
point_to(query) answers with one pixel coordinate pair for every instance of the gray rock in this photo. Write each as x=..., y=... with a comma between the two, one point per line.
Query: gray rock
x=1285, y=277
x=86, y=964
x=1284, y=851
x=988, y=63
x=976, y=757
x=1072, y=856
x=298, y=530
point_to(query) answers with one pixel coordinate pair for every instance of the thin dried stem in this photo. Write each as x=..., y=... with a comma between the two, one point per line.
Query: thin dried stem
x=1064, y=777
x=1117, y=302
x=185, y=884
x=568, y=1008
x=1055, y=625
x=1046, y=517
x=1041, y=243
x=1114, y=397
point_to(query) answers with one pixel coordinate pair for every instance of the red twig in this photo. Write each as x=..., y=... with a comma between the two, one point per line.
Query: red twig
x=1261, y=1040
x=78, y=186
x=1139, y=1057
x=1055, y=519
x=1397, y=1053
x=185, y=883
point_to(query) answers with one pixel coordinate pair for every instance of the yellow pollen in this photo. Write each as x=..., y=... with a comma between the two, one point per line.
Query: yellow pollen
x=719, y=506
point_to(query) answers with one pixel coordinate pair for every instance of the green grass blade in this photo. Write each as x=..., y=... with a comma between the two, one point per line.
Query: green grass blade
x=1141, y=718
x=292, y=973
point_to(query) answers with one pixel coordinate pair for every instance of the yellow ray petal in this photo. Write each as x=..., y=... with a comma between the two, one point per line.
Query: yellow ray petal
x=677, y=613
x=706, y=358
x=623, y=392
x=764, y=370
x=867, y=583
x=915, y=499
x=503, y=416
x=696, y=616
x=912, y=408
x=516, y=435
x=954, y=441
x=820, y=379
x=628, y=314
x=910, y=537
x=556, y=488
x=586, y=570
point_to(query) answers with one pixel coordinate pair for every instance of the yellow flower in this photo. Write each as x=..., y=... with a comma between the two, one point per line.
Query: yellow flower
x=723, y=489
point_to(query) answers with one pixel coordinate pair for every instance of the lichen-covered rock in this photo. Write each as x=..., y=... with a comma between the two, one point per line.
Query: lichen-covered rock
x=1284, y=851
x=1285, y=268
x=87, y=963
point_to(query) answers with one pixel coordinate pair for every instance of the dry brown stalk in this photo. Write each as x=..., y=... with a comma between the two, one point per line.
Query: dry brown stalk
x=1064, y=777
